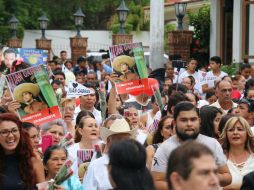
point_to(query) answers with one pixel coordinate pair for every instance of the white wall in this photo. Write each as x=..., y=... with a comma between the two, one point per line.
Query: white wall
x=96, y=39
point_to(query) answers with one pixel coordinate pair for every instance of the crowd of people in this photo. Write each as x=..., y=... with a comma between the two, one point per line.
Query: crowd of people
x=202, y=139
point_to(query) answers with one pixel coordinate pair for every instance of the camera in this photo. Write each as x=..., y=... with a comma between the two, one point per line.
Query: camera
x=179, y=63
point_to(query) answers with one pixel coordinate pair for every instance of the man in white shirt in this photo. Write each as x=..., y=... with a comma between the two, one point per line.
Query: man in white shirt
x=114, y=130
x=192, y=166
x=223, y=91
x=214, y=75
x=187, y=122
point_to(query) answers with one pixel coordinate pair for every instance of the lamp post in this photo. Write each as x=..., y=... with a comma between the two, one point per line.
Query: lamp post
x=79, y=19
x=180, y=9
x=14, y=23
x=43, y=25
x=122, y=11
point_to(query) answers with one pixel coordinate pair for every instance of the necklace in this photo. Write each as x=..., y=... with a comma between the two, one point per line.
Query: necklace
x=238, y=161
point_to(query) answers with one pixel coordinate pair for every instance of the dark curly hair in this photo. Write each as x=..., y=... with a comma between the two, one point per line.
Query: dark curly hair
x=158, y=138
x=24, y=152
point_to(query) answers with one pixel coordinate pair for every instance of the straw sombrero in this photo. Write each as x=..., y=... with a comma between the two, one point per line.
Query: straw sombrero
x=119, y=126
x=122, y=59
x=25, y=87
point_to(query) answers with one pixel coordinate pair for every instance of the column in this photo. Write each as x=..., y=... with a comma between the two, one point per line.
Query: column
x=237, y=32
x=156, y=34
x=15, y=43
x=78, y=47
x=179, y=43
x=122, y=39
x=215, y=37
x=44, y=44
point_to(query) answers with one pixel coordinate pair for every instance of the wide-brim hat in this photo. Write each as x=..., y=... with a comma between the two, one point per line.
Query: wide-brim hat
x=119, y=126
x=116, y=64
x=25, y=87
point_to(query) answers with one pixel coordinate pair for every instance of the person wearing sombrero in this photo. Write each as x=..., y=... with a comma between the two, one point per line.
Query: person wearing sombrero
x=26, y=93
x=123, y=64
x=115, y=128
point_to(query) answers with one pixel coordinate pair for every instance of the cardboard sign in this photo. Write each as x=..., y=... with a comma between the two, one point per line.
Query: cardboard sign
x=84, y=155
x=84, y=158
x=128, y=62
x=76, y=89
x=33, y=56
x=136, y=87
x=31, y=88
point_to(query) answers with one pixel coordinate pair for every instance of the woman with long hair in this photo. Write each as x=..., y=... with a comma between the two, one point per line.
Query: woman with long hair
x=238, y=145
x=210, y=118
x=19, y=167
x=164, y=131
x=54, y=158
x=34, y=134
x=127, y=166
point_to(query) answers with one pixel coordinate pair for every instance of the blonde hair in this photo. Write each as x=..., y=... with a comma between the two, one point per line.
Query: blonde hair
x=249, y=144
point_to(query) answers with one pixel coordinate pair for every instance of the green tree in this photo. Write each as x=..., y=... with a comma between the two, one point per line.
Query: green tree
x=201, y=38
x=135, y=19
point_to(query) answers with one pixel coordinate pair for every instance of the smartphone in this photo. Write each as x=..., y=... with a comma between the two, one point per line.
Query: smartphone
x=47, y=141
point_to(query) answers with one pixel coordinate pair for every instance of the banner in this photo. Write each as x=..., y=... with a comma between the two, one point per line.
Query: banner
x=31, y=88
x=76, y=89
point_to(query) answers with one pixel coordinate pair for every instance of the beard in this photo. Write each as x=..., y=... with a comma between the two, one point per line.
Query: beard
x=184, y=136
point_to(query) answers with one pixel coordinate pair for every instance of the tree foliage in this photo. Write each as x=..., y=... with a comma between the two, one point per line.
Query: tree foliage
x=99, y=14
x=201, y=38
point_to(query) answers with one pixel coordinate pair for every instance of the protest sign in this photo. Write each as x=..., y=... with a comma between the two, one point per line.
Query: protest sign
x=76, y=89
x=128, y=62
x=145, y=85
x=84, y=157
x=31, y=88
x=32, y=56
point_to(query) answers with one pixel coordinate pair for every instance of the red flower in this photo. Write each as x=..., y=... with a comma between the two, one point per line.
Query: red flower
x=68, y=136
x=197, y=43
x=68, y=163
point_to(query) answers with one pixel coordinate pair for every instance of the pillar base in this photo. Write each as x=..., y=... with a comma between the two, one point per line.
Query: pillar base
x=121, y=39
x=179, y=43
x=78, y=47
x=15, y=43
x=44, y=44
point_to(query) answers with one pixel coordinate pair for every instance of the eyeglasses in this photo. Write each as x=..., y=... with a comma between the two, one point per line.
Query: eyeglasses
x=6, y=133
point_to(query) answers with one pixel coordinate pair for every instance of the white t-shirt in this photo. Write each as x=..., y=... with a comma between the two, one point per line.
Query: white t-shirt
x=97, y=177
x=162, y=154
x=211, y=78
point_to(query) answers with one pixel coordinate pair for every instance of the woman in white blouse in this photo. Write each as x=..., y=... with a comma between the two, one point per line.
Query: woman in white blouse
x=238, y=145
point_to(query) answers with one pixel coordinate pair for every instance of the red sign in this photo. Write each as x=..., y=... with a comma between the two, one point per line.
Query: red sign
x=136, y=87
x=43, y=116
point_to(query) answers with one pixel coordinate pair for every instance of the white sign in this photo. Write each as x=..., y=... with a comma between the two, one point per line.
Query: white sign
x=76, y=89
